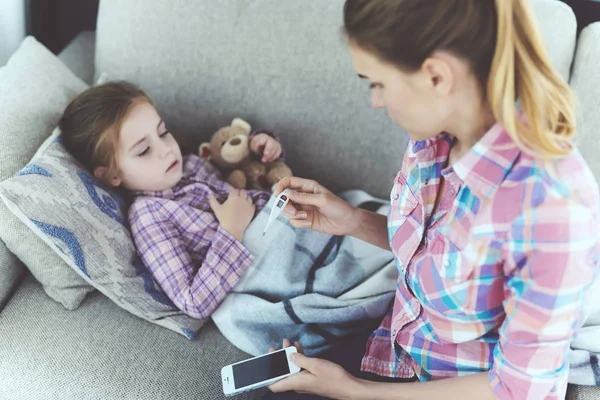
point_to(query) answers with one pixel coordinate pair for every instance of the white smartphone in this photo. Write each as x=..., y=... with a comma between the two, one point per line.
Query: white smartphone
x=258, y=372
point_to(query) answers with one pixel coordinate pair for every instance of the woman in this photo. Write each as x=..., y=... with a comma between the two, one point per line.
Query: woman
x=493, y=222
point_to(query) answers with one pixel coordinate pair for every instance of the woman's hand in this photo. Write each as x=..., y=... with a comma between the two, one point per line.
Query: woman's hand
x=319, y=377
x=312, y=206
x=268, y=145
x=235, y=213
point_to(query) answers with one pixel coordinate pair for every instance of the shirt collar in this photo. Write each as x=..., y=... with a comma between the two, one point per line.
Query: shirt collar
x=488, y=163
x=167, y=193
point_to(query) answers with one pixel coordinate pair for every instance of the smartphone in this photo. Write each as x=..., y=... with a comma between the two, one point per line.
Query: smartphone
x=258, y=372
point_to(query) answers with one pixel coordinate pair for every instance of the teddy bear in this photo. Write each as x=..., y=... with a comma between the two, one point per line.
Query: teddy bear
x=230, y=150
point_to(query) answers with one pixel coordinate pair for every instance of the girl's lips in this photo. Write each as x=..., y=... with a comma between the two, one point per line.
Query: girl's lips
x=172, y=166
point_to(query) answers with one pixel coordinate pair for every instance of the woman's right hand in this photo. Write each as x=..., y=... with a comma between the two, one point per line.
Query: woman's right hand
x=315, y=207
x=235, y=213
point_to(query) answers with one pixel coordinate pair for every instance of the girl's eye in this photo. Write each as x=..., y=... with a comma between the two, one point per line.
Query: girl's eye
x=375, y=86
x=143, y=153
x=165, y=133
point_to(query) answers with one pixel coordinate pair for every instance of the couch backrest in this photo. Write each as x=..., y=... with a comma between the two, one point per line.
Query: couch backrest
x=585, y=81
x=282, y=65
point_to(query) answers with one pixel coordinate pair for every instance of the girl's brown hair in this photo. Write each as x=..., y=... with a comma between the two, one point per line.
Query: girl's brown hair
x=500, y=41
x=91, y=123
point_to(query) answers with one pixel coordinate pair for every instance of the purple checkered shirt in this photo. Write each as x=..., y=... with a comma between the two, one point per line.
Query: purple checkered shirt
x=177, y=235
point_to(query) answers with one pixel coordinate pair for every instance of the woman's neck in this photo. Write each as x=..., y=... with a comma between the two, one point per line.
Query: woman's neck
x=471, y=124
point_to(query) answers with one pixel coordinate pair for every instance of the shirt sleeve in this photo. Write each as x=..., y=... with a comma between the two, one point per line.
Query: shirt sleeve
x=196, y=283
x=551, y=257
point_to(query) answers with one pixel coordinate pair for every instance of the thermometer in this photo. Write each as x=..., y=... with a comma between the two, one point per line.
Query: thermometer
x=280, y=203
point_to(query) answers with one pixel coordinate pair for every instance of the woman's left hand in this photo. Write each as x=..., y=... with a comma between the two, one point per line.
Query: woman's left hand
x=320, y=377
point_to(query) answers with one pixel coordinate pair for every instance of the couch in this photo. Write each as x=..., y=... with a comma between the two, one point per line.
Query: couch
x=280, y=64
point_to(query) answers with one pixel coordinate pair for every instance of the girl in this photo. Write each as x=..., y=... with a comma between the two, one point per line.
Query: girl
x=187, y=223
x=494, y=215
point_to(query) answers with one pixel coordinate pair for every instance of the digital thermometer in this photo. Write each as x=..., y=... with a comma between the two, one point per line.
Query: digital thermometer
x=280, y=203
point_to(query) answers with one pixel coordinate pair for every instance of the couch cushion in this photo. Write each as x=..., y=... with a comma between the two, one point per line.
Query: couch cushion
x=35, y=89
x=103, y=352
x=586, y=85
x=282, y=65
x=585, y=82
x=85, y=223
x=558, y=26
x=79, y=56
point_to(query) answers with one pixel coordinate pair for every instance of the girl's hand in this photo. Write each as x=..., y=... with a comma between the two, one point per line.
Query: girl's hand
x=268, y=145
x=318, y=377
x=315, y=207
x=235, y=213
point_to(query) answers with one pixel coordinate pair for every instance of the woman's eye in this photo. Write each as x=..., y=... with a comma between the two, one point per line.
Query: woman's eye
x=165, y=133
x=143, y=153
x=375, y=86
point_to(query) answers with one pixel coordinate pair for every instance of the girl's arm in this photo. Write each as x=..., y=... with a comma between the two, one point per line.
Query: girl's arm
x=196, y=286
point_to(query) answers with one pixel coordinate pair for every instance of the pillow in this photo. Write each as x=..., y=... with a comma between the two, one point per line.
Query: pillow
x=85, y=223
x=35, y=88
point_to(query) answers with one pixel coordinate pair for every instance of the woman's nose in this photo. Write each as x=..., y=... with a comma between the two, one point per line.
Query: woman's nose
x=377, y=99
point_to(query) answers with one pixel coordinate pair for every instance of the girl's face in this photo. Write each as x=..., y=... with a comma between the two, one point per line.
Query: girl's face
x=419, y=101
x=149, y=158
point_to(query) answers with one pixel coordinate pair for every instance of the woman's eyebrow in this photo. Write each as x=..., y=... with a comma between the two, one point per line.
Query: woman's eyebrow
x=361, y=76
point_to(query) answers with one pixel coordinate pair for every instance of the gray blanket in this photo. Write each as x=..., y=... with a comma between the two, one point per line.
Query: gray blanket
x=306, y=286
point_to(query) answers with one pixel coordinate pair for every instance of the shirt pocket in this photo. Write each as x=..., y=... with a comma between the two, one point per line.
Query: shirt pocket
x=448, y=252
x=402, y=200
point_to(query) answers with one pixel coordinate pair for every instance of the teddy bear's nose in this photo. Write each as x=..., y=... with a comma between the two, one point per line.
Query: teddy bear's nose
x=235, y=142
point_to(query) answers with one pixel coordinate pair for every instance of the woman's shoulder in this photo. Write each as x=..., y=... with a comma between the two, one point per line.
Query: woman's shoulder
x=568, y=179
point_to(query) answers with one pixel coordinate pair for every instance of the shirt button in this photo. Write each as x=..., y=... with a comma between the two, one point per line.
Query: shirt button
x=396, y=196
x=452, y=192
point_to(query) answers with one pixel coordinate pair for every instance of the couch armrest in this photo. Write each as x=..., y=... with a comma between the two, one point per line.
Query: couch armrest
x=79, y=56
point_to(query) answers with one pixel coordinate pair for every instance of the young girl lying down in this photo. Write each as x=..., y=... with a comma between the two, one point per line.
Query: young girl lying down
x=190, y=228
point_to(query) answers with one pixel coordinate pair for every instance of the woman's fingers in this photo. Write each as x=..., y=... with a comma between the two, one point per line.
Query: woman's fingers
x=297, y=211
x=299, y=184
x=299, y=347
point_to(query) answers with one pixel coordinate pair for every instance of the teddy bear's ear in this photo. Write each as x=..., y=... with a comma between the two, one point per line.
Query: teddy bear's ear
x=241, y=124
x=205, y=151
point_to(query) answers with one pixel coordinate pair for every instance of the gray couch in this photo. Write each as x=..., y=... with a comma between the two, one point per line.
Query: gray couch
x=282, y=65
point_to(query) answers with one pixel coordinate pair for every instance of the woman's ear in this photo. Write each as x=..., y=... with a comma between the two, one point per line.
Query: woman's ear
x=440, y=73
x=101, y=173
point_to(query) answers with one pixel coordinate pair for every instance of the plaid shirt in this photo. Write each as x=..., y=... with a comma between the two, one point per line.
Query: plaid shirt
x=193, y=259
x=495, y=278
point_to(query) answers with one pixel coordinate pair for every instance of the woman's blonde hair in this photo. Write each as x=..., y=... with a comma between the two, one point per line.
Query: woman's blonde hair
x=498, y=38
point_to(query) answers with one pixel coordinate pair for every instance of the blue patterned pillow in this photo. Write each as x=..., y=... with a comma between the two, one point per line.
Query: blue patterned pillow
x=86, y=224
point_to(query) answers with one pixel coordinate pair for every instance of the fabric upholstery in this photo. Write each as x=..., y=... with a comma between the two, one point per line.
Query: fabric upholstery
x=35, y=89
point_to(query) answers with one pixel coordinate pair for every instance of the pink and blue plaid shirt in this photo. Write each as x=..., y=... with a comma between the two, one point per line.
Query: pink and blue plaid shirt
x=494, y=280
x=180, y=241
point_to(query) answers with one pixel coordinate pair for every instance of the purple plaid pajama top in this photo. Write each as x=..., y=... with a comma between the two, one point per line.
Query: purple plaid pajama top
x=180, y=241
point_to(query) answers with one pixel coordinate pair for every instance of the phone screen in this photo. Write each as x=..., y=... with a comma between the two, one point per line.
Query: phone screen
x=260, y=369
